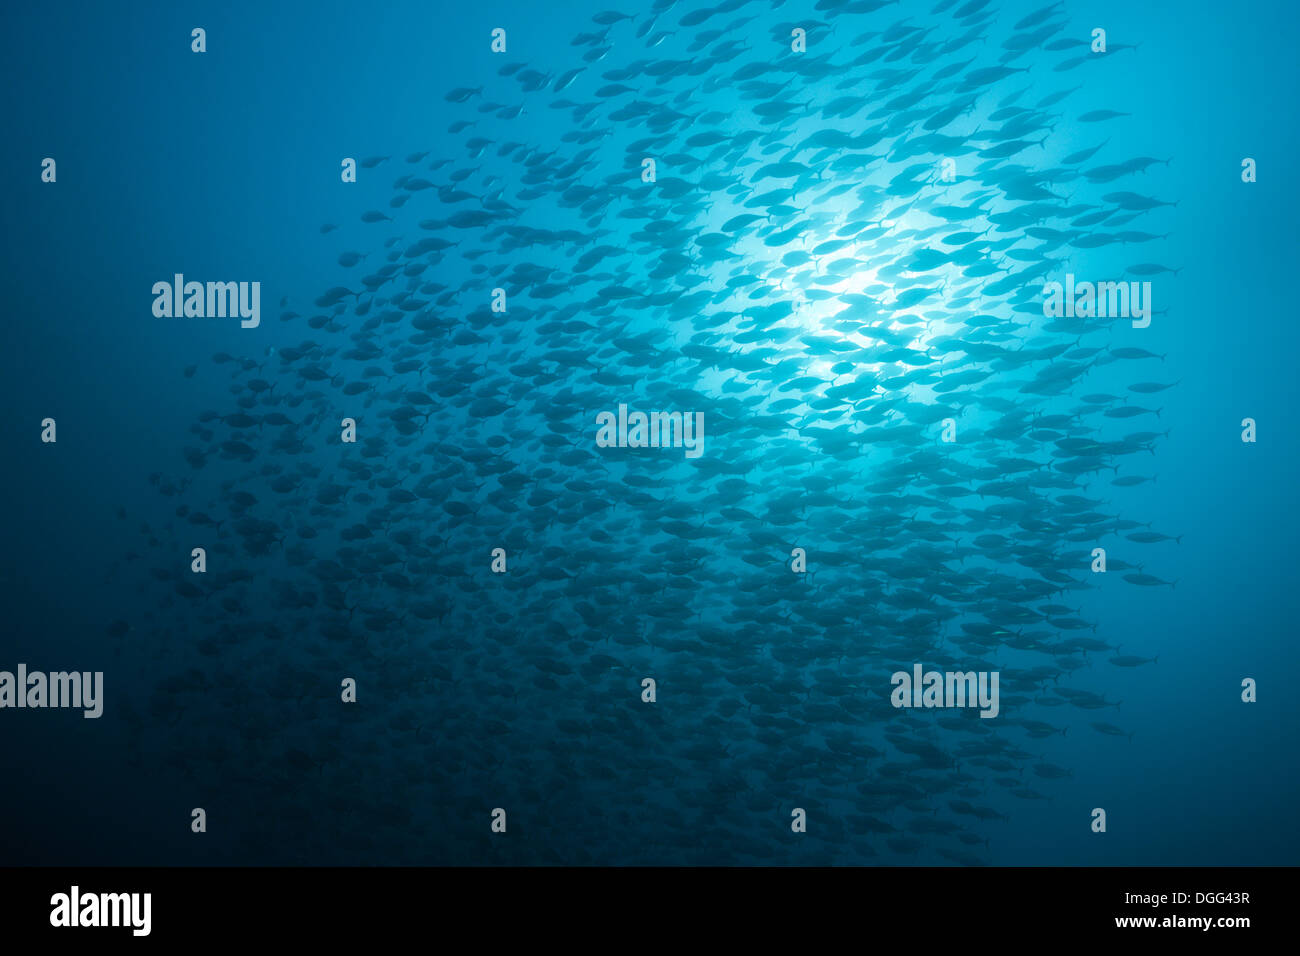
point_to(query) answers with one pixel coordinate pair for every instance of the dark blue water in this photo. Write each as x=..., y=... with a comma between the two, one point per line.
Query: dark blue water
x=224, y=166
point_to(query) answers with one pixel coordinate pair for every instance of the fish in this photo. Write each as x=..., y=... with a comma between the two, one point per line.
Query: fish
x=1110, y=730
x=1128, y=660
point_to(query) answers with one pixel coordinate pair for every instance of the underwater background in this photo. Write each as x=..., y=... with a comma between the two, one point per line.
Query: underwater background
x=803, y=274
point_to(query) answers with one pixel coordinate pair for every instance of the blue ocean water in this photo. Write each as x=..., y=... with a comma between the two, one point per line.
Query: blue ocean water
x=224, y=165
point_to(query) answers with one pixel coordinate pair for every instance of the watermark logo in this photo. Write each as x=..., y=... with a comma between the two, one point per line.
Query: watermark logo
x=946, y=689
x=102, y=909
x=57, y=689
x=210, y=300
x=1102, y=300
x=653, y=430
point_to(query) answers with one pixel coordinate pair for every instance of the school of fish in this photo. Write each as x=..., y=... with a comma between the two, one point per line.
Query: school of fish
x=834, y=268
